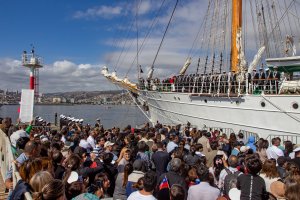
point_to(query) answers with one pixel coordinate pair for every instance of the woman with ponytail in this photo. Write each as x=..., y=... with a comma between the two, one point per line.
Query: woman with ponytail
x=53, y=190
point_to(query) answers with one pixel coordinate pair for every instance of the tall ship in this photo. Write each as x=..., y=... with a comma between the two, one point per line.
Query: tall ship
x=242, y=71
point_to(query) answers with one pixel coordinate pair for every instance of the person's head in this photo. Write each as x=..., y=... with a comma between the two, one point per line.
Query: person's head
x=96, y=188
x=127, y=154
x=21, y=142
x=139, y=185
x=281, y=160
x=138, y=165
x=142, y=146
x=32, y=149
x=253, y=163
x=74, y=188
x=203, y=173
x=150, y=180
x=269, y=169
x=192, y=174
x=177, y=192
x=292, y=188
x=292, y=169
x=107, y=158
x=233, y=161
x=264, y=144
x=29, y=168
x=105, y=180
x=160, y=145
x=101, y=141
x=57, y=157
x=288, y=145
x=53, y=190
x=175, y=164
x=241, y=136
x=39, y=180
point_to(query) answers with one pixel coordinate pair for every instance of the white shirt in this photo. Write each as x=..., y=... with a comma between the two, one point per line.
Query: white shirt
x=138, y=196
x=203, y=191
x=84, y=144
x=171, y=145
x=17, y=135
x=274, y=152
x=91, y=140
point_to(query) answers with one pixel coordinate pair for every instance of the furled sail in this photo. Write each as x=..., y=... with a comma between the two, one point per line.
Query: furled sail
x=185, y=66
x=256, y=59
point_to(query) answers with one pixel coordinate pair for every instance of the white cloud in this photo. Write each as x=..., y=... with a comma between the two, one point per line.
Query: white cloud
x=101, y=12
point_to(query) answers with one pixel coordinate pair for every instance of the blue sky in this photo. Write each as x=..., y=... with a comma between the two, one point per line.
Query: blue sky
x=77, y=38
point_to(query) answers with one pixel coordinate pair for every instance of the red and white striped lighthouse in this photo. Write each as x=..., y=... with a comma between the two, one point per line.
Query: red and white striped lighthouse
x=33, y=62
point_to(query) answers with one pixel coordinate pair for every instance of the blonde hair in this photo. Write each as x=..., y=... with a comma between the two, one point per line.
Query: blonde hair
x=39, y=180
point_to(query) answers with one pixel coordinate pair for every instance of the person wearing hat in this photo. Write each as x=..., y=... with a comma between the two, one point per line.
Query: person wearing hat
x=108, y=146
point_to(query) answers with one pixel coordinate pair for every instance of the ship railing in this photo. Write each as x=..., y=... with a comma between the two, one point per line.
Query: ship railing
x=227, y=131
x=248, y=134
x=295, y=139
x=218, y=87
x=7, y=162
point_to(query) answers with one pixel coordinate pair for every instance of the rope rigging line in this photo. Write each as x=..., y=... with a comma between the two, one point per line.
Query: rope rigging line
x=154, y=21
x=281, y=18
x=152, y=66
x=130, y=45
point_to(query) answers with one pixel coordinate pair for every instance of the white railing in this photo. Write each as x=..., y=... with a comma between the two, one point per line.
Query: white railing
x=7, y=161
x=217, y=87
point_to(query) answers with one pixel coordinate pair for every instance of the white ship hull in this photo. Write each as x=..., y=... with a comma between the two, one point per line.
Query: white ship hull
x=277, y=117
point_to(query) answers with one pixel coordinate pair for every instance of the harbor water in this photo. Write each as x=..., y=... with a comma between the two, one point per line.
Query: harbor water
x=110, y=116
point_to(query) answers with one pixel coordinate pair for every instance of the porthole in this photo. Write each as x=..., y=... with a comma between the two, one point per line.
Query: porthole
x=175, y=98
x=205, y=100
x=237, y=102
x=178, y=98
x=263, y=104
x=295, y=105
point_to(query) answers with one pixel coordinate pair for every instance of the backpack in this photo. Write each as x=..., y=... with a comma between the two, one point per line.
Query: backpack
x=230, y=180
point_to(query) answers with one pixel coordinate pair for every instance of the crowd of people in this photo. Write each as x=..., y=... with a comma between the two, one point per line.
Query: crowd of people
x=161, y=162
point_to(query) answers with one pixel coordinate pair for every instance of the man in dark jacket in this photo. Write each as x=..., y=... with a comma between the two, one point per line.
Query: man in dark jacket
x=160, y=159
x=173, y=176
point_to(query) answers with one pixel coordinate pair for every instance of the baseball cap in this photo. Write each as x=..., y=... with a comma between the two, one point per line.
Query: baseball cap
x=297, y=149
x=108, y=143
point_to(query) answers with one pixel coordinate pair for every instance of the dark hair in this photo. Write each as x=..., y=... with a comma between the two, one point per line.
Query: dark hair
x=203, y=173
x=21, y=142
x=57, y=157
x=218, y=167
x=264, y=144
x=142, y=146
x=214, y=145
x=139, y=185
x=177, y=192
x=150, y=180
x=281, y=160
x=74, y=189
x=288, y=146
x=107, y=158
x=128, y=169
x=253, y=163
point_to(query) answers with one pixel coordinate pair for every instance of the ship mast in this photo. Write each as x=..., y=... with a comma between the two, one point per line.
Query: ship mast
x=235, y=27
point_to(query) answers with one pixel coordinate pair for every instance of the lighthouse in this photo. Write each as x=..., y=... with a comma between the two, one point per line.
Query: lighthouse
x=34, y=63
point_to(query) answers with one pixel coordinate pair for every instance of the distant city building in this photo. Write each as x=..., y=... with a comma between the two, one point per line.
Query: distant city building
x=56, y=100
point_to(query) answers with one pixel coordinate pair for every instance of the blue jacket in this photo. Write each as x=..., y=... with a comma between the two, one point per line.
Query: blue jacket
x=251, y=141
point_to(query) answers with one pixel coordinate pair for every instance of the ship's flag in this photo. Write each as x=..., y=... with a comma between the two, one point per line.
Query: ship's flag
x=164, y=184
